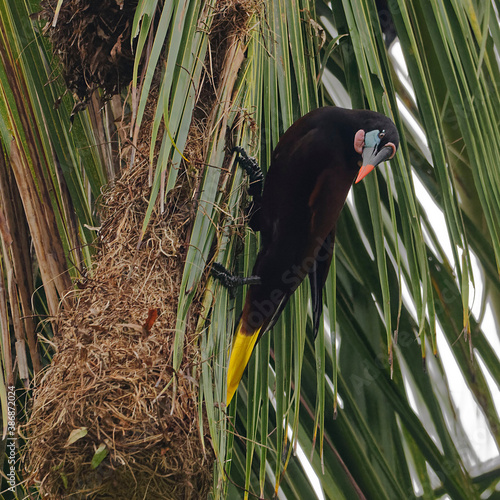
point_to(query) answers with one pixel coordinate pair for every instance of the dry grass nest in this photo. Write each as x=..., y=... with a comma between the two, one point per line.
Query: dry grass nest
x=92, y=41
x=111, y=382
x=110, y=419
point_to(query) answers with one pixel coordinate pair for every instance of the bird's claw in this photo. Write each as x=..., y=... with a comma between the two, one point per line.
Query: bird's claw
x=251, y=167
x=228, y=280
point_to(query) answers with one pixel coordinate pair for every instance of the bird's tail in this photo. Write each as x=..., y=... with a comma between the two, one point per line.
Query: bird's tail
x=243, y=344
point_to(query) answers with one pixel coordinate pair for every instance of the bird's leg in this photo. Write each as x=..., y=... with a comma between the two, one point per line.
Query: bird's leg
x=251, y=167
x=228, y=280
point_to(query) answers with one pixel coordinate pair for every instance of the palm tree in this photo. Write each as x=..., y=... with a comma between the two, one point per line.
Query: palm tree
x=371, y=408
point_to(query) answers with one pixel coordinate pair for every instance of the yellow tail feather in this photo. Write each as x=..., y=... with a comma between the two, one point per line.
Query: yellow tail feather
x=242, y=350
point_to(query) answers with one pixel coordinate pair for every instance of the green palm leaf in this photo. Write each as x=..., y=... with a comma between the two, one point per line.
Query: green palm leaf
x=370, y=406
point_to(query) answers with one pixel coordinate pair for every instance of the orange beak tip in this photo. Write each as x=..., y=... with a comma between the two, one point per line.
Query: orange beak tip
x=364, y=171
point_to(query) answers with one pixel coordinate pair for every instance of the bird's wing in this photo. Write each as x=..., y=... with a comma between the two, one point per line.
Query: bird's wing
x=324, y=211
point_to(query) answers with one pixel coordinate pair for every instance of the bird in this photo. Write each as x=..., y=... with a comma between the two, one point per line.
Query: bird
x=313, y=167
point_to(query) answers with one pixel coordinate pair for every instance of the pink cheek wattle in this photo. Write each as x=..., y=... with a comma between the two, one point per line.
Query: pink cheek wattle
x=359, y=141
x=390, y=144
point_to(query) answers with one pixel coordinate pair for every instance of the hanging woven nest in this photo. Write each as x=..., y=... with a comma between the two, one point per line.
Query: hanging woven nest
x=110, y=418
x=92, y=41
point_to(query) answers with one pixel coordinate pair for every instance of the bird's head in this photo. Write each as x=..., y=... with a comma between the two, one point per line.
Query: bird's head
x=376, y=144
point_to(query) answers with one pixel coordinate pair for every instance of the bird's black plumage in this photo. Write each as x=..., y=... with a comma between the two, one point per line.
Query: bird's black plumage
x=312, y=169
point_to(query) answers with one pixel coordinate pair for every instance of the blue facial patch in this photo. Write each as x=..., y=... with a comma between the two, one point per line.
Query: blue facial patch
x=372, y=139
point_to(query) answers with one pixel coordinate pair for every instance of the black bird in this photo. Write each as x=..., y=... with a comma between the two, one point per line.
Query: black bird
x=312, y=169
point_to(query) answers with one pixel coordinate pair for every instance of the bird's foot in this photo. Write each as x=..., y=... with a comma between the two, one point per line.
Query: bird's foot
x=251, y=167
x=228, y=280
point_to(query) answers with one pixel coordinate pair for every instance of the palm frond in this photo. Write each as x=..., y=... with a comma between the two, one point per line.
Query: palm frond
x=370, y=408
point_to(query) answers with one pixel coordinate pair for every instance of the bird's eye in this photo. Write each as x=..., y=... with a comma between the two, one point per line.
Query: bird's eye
x=382, y=134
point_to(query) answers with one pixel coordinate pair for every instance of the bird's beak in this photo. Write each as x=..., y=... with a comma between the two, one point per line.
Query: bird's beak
x=372, y=157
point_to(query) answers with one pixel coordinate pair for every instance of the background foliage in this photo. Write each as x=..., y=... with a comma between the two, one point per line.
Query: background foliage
x=358, y=404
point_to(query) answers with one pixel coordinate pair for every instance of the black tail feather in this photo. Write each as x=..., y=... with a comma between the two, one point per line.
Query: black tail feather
x=317, y=279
